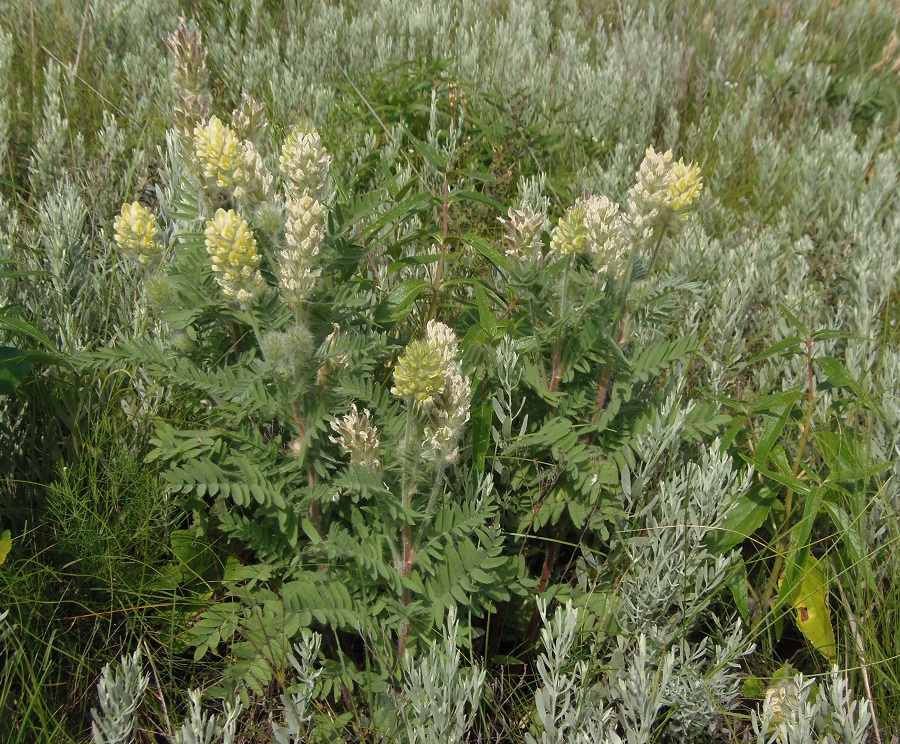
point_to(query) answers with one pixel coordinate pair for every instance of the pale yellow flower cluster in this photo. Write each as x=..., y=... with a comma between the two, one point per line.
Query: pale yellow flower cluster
x=606, y=237
x=358, y=436
x=252, y=180
x=135, y=233
x=304, y=232
x=304, y=163
x=235, y=257
x=429, y=374
x=569, y=237
x=684, y=186
x=782, y=701
x=217, y=152
x=663, y=192
x=522, y=233
x=226, y=162
x=595, y=226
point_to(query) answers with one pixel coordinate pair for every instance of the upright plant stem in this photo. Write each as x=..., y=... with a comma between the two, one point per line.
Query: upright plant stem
x=782, y=544
x=409, y=490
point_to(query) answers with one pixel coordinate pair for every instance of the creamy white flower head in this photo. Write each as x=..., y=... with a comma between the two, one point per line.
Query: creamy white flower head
x=606, y=236
x=447, y=419
x=252, y=181
x=304, y=233
x=304, y=162
x=782, y=702
x=522, y=233
x=684, y=186
x=135, y=233
x=663, y=192
x=422, y=370
x=235, y=258
x=358, y=436
x=217, y=153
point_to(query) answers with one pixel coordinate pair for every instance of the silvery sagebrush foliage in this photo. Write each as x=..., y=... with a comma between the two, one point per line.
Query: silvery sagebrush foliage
x=6, y=52
x=797, y=711
x=201, y=727
x=565, y=709
x=817, y=232
x=439, y=699
x=119, y=690
x=670, y=583
x=296, y=719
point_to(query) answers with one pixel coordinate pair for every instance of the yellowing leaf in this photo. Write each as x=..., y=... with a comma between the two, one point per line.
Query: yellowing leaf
x=810, y=601
x=5, y=545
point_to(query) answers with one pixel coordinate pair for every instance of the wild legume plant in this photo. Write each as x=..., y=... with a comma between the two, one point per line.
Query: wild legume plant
x=333, y=348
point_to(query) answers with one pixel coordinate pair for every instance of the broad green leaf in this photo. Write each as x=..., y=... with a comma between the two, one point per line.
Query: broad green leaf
x=485, y=315
x=476, y=196
x=484, y=248
x=810, y=603
x=22, y=328
x=791, y=345
x=794, y=321
x=5, y=545
x=428, y=153
x=775, y=400
x=399, y=302
x=774, y=427
x=14, y=370
x=798, y=545
x=736, y=582
x=482, y=417
x=839, y=376
x=742, y=519
x=784, y=478
x=848, y=531
x=401, y=210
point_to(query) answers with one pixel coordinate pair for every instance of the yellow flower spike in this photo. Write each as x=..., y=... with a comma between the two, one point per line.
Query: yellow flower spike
x=135, y=233
x=235, y=258
x=685, y=184
x=217, y=152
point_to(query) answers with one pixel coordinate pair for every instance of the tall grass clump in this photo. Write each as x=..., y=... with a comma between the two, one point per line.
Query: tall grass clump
x=448, y=371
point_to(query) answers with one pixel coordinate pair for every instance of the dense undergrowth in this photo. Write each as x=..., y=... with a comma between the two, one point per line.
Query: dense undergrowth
x=375, y=372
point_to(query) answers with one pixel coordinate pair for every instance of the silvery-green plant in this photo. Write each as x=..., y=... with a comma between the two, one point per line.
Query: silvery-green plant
x=201, y=727
x=439, y=700
x=6, y=52
x=119, y=690
x=296, y=719
x=794, y=712
x=566, y=711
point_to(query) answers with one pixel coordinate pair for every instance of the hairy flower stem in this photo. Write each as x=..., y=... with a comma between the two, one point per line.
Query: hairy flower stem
x=409, y=490
x=782, y=545
x=557, y=372
x=432, y=504
x=606, y=377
